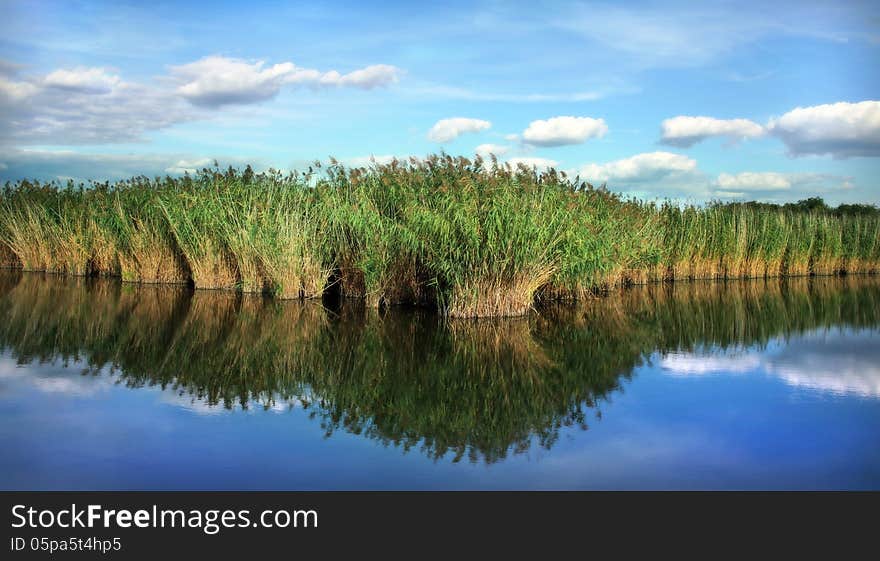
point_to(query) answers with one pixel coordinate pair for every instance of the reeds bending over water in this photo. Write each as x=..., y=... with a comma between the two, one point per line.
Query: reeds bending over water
x=472, y=238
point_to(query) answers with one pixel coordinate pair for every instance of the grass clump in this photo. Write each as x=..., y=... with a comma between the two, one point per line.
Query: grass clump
x=145, y=248
x=490, y=237
x=372, y=246
x=272, y=229
x=49, y=228
x=195, y=213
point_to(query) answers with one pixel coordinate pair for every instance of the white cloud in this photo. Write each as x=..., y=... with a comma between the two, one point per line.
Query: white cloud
x=189, y=166
x=219, y=80
x=768, y=185
x=94, y=106
x=651, y=166
x=689, y=364
x=215, y=80
x=88, y=80
x=828, y=362
x=53, y=378
x=754, y=181
x=446, y=130
x=686, y=131
x=533, y=162
x=842, y=129
x=16, y=90
x=84, y=106
x=668, y=174
x=843, y=375
x=375, y=76
x=559, y=131
x=486, y=150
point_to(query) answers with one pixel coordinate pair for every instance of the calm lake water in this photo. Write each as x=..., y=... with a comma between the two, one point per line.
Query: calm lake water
x=752, y=384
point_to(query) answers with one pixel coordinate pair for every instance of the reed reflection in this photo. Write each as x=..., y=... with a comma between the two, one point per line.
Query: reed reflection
x=475, y=390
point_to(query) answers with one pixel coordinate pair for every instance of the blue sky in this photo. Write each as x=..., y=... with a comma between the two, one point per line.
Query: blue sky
x=658, y=99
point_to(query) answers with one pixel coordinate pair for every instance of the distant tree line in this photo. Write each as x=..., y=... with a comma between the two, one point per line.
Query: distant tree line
x=814, y=204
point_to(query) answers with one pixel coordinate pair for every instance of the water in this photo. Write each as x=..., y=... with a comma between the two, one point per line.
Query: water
x=753, y=384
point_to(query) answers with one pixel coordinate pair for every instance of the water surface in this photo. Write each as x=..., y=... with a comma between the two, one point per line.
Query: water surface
x=752, y=384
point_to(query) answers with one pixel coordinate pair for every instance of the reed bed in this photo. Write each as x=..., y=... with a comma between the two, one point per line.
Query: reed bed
x=8, y=258
x=471, y=238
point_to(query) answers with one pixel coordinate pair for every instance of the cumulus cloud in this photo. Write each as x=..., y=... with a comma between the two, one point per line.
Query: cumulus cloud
x=533, y=162
x=690, y=364
x=559, y=131
x=92, y=105
x=770, y=185
x=52, y=378
x=842, y=129
x=675, y=175
x=446, y=130
x=84, y=106
x=375, y=76
x=215, y=80
x=686, y=131
x=486, y=150
x=651, y=166
x=838, y=363
x=189, y=166
x=218, y=80
x=87, y=80
x=754, y=181
x=838, y=374
x=13, y=90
